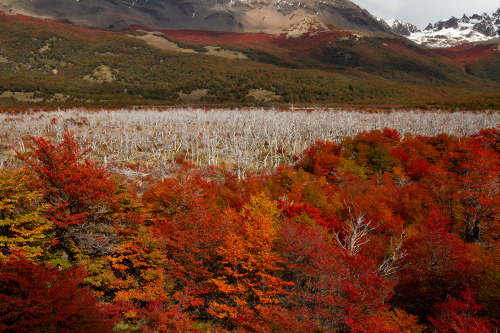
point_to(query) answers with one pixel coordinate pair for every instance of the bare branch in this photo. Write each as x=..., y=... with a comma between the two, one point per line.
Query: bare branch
x=392, y=264
x=355, y=231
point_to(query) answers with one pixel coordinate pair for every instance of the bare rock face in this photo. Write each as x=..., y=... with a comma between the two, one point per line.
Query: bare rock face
x=218, y=15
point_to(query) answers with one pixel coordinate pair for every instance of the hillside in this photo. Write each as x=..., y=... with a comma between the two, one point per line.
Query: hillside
x=48, y=63
x=479, y=59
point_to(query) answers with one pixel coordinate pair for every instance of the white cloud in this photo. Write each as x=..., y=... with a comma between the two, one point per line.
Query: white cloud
x=383, y=9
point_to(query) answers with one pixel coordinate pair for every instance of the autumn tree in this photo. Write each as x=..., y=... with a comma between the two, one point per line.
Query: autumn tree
x=190, y=227
x=22, y=224
x=246, y=284
x=321, y=159
x=416, y=156
x=437, y=265
x=371, y=150
x=38, y=298
x=465, y=183
x=396, y=320
x=334, y=289
x=487, y=287
x=80, y=193
x=169, y=315
x=134, y=271
x=460, y=315
x=488, y=138
x=479, y=195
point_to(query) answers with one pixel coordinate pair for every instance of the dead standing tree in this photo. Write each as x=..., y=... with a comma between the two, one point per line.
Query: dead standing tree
x=241, y=139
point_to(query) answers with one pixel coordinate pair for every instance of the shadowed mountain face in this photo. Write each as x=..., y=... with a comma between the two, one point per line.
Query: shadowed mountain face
x=269, y=16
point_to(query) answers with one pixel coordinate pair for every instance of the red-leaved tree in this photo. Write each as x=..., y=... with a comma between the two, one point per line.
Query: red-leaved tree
x=39, y=298
x=80, y=193
x=437, y=265
x=460, y=315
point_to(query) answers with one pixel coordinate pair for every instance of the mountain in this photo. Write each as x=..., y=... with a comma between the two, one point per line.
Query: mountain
x=338, y=56
x=269, y=16
x=451, y=32
x=402, y=28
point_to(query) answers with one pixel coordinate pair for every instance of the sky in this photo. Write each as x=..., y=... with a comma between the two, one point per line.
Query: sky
x=423, y=12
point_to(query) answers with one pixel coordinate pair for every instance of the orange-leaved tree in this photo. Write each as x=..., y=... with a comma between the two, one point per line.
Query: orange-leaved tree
x=245, y=285
x=190, y=229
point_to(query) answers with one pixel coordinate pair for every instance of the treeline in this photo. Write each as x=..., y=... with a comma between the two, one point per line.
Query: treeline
x=372, y=234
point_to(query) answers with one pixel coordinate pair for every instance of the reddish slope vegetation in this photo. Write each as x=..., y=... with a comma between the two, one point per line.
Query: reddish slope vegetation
x=482, y=60
x=245, y=39
x=58, y=26
x=470, y=52
x=335, y=48
x=260, y=46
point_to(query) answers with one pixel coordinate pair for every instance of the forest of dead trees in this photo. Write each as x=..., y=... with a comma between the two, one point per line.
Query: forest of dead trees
x=245, y=140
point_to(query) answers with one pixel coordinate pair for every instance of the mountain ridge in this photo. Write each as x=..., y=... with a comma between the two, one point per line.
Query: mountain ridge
x=451, y=32
x=270, y=16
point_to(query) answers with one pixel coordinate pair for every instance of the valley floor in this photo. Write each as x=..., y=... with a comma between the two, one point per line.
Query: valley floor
x=190, y=220
x=243, y=140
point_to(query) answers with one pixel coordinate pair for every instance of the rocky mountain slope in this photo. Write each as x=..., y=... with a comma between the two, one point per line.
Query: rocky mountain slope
x=451, y=32
x=269, y=16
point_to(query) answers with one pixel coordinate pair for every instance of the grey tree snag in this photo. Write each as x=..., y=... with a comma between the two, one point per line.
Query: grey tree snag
x=243, y=140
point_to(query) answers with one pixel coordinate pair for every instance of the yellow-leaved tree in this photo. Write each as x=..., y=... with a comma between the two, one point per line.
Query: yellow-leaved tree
x=23, y=226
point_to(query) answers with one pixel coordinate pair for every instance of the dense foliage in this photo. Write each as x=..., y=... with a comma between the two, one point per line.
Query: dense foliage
x=376, y=233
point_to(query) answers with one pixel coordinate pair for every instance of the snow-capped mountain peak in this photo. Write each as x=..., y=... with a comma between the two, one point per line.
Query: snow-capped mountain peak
x=453, y=31
x=402, y=28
